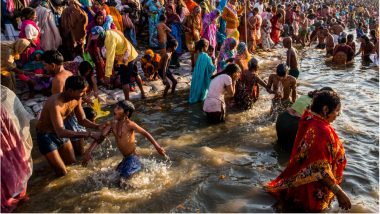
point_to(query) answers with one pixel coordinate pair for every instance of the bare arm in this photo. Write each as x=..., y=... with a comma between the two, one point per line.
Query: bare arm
x=87, y=154
x=294, y=91
x=56, y=86
x=270, y=83
x=262, y=83
x=59, y=128
x=231, y=89
x=148, y=136
x=344, y=201
x=167, y=29
x=82, y=120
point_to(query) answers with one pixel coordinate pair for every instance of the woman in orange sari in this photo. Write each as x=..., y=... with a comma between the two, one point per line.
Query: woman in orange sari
x=193, y=28
x=315, y=169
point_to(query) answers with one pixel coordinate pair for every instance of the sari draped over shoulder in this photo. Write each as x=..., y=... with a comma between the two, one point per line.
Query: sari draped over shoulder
x=201, y=78
x=317, y=153
x=209, y=28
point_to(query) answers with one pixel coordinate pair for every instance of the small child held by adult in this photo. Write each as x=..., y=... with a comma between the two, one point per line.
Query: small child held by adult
x=124, y=130
x=163, y=69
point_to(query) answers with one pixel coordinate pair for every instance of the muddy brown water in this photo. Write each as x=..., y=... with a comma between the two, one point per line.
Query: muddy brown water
x=218, y=168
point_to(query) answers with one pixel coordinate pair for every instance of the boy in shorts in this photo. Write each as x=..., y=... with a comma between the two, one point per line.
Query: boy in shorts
x=124, y=130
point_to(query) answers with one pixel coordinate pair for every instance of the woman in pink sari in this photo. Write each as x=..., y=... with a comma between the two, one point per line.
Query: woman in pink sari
x=209, y=28
x=30, y=31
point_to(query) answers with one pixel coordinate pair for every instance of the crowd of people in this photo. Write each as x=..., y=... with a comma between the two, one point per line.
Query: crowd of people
x=67, y=49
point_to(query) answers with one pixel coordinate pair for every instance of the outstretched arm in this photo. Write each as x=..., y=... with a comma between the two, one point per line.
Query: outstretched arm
x=148, y=136
x=87, y=155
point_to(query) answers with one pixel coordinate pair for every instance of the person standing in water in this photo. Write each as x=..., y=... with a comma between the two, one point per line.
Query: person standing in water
x=124, y=130
x=52, y=137
x=291, y=58
x=315, y=169
x=214, y=106
x=282, y=85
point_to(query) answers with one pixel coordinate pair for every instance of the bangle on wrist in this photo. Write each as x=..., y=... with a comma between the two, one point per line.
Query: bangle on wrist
x=335, y=189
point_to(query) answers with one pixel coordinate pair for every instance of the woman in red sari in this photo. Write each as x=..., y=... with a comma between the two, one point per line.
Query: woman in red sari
x=315, y=168
x=276, y=28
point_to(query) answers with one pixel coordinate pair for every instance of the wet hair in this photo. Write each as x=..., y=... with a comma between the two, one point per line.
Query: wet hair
x=162, y=18
x=85, y=67
x=201, y=44
x=230, y=70
x=325, y=98
x=52, y=57
x=28, y=12
x=172, y=43
x=312, y=93
x=90, y=113
x=127, y=106
x=281, y=70
x=75, y=83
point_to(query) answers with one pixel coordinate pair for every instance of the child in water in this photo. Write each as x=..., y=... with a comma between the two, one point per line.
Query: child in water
x=124, y=130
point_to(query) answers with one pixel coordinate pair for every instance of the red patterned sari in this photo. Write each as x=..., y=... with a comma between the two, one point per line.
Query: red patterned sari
x=317, y=153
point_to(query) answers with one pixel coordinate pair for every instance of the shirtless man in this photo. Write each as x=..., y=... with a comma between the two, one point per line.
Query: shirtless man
x=53, y=63
x=329, y=43
x=291, y=57
x=52, y=137
x=162, y=31
x=318, y=34
x=124, y=130
x=282, y=85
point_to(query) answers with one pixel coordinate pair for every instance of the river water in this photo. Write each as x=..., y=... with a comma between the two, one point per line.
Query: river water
x=219, y=168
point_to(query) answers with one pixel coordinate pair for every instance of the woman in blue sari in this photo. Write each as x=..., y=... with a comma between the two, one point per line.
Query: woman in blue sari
x=203, y=70
x=221, y=33
x=155, y=10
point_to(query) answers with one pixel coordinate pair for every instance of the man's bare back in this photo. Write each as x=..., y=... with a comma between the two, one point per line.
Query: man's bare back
x=292, y=60
x=58, y=83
